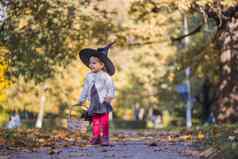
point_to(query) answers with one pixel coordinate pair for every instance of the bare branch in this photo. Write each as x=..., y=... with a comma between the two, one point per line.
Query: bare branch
x=196, y=30
x=219, y=16
x=144, y=43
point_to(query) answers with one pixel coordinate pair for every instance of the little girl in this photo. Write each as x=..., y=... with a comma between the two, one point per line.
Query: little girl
x=99, y=90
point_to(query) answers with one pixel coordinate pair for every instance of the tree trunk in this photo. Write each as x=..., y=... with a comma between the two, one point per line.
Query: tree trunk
x=186, y=31
x=40, y=117
x=227, y=103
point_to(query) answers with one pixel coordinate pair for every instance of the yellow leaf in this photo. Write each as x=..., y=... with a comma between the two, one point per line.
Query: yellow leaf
x=169, y=138
x=22, y=23
x=3, y=97
x=40, y=50
x=200, y=135
x=186, y=137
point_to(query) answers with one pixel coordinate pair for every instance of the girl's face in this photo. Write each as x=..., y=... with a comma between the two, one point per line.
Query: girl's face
x=95, y=64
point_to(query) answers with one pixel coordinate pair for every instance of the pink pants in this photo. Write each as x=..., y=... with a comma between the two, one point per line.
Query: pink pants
x=100, y=123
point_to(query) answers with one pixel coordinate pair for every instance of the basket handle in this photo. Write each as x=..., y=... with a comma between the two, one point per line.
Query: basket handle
x=70, y=111
x=71, y=108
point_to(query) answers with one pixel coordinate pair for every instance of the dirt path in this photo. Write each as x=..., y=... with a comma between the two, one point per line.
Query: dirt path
x=126, y=145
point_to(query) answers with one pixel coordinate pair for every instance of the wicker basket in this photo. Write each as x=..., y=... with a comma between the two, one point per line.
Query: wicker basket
x=76, y=124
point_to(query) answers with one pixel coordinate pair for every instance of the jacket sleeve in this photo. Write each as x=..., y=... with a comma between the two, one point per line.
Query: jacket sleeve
x=84, y=92
x=110, y=87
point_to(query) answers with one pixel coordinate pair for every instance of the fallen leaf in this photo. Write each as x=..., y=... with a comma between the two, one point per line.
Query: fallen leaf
x=153, y=144
x=200, y=135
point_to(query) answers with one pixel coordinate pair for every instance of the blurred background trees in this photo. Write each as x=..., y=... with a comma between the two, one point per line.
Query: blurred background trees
x=42, y=38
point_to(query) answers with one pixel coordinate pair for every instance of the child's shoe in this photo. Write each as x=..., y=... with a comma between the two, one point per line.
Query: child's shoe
x=95, y=141
x=105, y=141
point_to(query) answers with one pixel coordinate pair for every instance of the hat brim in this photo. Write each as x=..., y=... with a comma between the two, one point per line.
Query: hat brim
x=85, y=55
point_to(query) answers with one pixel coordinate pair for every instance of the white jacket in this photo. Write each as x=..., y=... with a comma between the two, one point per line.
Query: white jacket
x=103, y=83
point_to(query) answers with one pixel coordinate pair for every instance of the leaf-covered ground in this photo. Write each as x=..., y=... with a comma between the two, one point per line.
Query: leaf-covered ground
x=63, y=144
x=213, y=142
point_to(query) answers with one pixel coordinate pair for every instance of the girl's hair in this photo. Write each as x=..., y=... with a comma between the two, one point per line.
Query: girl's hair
x=104, y=68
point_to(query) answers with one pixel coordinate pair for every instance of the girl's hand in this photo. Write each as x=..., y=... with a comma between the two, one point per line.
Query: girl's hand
x=108, y=99
x=81, y=103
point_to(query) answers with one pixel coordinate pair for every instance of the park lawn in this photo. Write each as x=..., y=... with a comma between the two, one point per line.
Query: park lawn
x=221, y=141
x=215, y=141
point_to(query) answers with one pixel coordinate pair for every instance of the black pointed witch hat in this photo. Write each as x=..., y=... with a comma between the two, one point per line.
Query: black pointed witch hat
x=102, y=54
